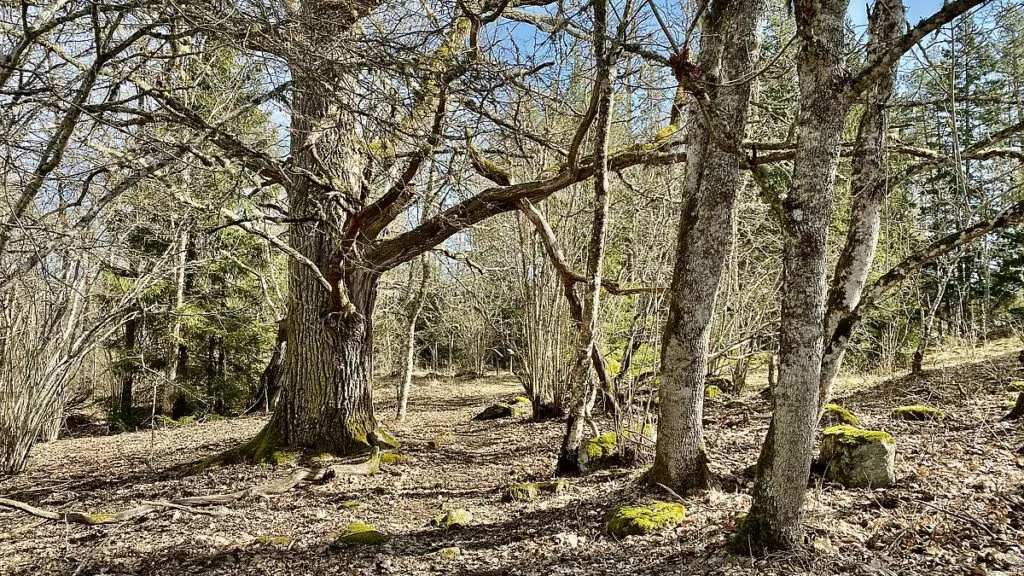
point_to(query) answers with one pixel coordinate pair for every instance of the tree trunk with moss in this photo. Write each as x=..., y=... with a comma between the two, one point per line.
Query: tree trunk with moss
x=730, y=41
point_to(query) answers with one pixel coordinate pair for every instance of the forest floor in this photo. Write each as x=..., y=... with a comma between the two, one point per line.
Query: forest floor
x=957, y=506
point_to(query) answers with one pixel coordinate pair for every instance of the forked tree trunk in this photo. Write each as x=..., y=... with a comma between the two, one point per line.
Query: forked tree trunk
x=775, y=521
x=730, y=40
x=868, y=189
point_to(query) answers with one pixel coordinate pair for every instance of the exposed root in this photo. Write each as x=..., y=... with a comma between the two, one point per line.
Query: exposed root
x=196, y=504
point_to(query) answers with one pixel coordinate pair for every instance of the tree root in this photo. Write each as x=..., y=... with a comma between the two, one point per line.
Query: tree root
x=196, y=504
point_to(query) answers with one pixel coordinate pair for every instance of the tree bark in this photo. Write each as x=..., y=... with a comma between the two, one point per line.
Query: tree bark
x=174, y=356
x=775, y=521
x=729, y=41
x=415, y=306
x=869, y=187
x=581, y=386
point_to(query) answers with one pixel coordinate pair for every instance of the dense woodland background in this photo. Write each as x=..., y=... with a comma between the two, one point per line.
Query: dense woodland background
x=375, y=219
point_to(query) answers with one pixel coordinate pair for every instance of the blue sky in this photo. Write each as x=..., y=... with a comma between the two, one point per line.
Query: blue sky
x=916, y=10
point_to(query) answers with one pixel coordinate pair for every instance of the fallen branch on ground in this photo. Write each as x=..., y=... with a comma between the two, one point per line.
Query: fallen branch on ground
x=194, y=504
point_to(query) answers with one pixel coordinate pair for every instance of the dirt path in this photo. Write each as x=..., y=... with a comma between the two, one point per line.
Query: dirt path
x=957, y=506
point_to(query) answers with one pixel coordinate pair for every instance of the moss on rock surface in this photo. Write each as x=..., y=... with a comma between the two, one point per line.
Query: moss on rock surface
x=835, y=415
x=918, y=412
x=458, y=518
x=640, y=520
x=858, y=458
x=522, y=492
x=599, y=452
x=712, y=391
x=361, y=533
x=1015, y=386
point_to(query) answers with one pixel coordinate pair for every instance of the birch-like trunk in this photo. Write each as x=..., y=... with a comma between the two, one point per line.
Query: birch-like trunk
x=413, y=313
x=869, y=189
x=173, y=350
x=775, y=521
x=730, y=42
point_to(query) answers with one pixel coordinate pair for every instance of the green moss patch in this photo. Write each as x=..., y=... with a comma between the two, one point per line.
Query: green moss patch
x=1015, y=386
x=835, y=415
x=712, y=391
x=918, y=412
x=846, y=434
x=641, y=520
x=520, y=400
x=360, y=533
x=393, y=458
x=453, y=519
x=283, y=457
x=601, y=447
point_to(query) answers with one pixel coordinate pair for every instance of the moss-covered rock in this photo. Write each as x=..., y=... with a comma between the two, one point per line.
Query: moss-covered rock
x=598, y=453
x=836, y=415
x=500, y=410
x=918, y=412
x=1015, y=386
x=283, y=457
x=393, y=458
x=858, y=458
x=640, y=520
x=520, y=400
x=712, y=391
x=458, y=518
x=522, y=492
x=361, y=533
x=351, y=504
x=531, y=490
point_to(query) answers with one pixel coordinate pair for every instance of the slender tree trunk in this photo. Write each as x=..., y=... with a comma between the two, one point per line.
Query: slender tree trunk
x=270, y=380
x=415, y=307
x=167, y=392
x=730, y=40
x=775, y=521
x=581, y=384
x=869, y=189
x=125, y=398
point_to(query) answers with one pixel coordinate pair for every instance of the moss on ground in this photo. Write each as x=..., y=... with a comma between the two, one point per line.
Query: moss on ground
x=918, y=412
x=601, y=447
x=640, y=520
x=846, y=434
x=836, y=414
x=1015, y=386
x=712, y=391
x=361, y=533
x=394, y=458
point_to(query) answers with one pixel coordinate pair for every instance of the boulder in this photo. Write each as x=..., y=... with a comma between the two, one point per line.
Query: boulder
x=531, y=490
x=918, y=412
x=858, y=458
x=712, y=391
x=458, y=518
x=510, y=409
x=641, y=520
x=598, y=453
x=835, y=415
